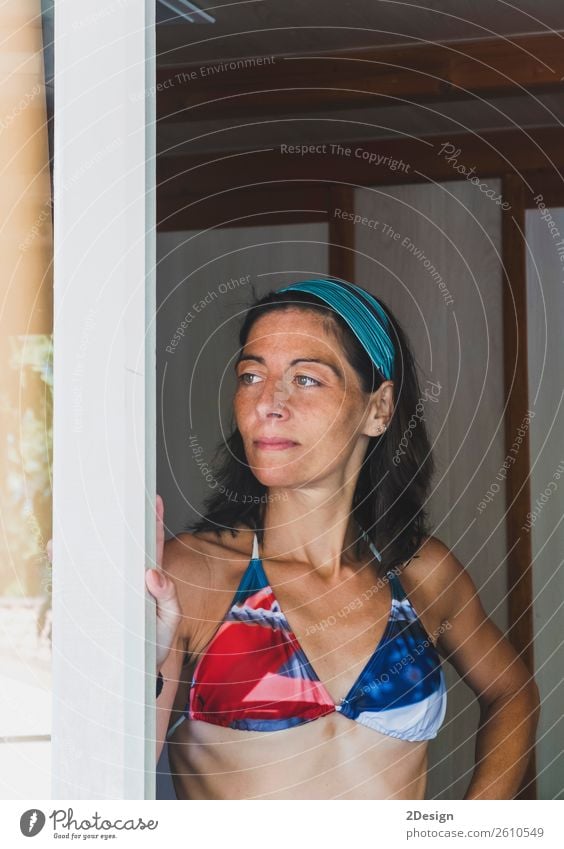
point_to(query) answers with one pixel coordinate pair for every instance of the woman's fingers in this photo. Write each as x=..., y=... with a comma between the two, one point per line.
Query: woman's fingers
x=169, y=613
x=159, y=504
x=164, y=591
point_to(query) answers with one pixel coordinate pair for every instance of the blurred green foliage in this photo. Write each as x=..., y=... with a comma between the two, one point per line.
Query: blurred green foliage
x=26, y=441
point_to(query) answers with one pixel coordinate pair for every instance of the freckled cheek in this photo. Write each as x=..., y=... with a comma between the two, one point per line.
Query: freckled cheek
x=243, y=409
x=343, y=422
x=340, y=431
x=330, y=425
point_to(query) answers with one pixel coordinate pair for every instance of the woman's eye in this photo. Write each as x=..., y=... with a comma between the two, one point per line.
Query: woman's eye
x=306, y=377
x=242, y=378
x=245, y=374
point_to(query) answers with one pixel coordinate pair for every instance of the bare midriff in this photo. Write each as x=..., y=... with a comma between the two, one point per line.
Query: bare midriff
x=331, y=757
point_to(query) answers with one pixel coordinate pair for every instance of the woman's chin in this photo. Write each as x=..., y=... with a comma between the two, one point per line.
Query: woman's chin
x=277, y=477
x=275, y=480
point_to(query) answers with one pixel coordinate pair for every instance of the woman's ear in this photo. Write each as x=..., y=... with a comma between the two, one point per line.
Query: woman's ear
x=380, y=409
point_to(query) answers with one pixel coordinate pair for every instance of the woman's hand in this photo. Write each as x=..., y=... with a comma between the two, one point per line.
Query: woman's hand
x=163, y=590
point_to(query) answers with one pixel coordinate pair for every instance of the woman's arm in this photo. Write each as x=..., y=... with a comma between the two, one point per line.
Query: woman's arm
x=188, y=572
x=170, y=669
x=177, y=559
x=504, y=743
x=506, y=691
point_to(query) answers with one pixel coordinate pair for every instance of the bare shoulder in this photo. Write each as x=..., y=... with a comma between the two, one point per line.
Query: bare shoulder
x=184, y=564
x=434, y=559
x=467, y=637
x=202, y=565
x=438, y=576
x=190, y=558
x=183, y=559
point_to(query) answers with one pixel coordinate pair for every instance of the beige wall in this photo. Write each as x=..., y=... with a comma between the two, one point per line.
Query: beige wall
x=545, y=310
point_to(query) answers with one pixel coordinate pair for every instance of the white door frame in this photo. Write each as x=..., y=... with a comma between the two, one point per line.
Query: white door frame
x=104, y=400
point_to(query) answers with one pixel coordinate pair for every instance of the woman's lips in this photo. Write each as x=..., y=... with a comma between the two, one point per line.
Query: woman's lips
x=274, y=444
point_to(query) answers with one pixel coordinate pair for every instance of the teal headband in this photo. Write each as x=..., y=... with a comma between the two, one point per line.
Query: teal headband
x=363, y=314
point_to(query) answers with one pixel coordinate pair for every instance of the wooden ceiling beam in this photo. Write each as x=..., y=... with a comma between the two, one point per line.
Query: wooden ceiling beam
x=383, y=162
x=289, y=204
x=243, y=189
x=274, y=85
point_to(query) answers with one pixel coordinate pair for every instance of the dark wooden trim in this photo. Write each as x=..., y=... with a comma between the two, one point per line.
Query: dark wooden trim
x=382, y=162
x=419, y=72
x=253, y=207
x=341, y=232
x=519, y=558
x=196, y=192
x=546, y=183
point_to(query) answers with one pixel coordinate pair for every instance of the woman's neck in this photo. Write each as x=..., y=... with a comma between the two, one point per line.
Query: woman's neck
x=317, y=532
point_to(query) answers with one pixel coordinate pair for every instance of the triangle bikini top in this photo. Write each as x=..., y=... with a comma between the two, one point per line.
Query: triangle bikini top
x=253, y=675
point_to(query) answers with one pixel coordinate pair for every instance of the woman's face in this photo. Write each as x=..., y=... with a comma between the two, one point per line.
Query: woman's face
x=299, y=407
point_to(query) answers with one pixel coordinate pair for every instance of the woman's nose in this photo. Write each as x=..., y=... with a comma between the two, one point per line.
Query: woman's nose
x=274, y=397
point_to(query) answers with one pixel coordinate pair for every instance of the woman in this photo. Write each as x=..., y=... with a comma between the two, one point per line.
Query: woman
x=301, y=622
